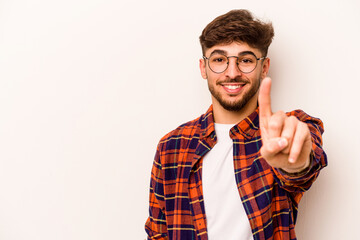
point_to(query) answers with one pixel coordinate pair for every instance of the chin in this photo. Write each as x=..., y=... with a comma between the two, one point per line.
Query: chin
x=237, y=107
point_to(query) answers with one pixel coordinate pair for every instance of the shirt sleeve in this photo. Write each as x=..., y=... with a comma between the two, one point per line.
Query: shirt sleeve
x=299, y=183
x=155, y=225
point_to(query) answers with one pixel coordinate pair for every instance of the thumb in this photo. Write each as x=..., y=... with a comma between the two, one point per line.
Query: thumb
x=273, y=146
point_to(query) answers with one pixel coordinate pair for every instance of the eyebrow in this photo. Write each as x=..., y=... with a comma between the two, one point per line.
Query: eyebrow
x=247, y=52
x=219, y=51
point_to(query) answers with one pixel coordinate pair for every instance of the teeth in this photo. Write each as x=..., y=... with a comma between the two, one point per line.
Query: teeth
x=232, y=87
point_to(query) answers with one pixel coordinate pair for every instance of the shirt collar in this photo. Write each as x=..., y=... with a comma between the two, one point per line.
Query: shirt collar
x=247, y=127
x=207, y=124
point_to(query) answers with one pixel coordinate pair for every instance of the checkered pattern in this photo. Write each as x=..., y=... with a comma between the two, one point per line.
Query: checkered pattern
x=269, y=196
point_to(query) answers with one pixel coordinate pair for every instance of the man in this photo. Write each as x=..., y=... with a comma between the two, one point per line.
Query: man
x=239, y=170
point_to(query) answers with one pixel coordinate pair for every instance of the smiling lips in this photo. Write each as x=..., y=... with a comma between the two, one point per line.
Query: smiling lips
x=233, y=88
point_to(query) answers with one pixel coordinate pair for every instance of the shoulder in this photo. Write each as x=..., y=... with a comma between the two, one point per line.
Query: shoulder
x=184, y=131
x=179, y=142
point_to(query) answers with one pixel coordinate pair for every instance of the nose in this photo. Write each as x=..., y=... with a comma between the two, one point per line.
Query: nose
x=233, y=70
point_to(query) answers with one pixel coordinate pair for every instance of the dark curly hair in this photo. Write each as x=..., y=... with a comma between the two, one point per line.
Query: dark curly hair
x=237, y=26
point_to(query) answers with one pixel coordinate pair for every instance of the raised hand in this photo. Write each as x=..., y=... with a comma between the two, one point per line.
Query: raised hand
x=286, y=140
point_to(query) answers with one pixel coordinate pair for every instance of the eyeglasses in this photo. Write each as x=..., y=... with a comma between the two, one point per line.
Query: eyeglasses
x=246, y=62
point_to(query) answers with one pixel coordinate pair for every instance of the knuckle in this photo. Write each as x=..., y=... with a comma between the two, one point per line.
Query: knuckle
x=288, y=135
x=302, y=124
x=303, y=130
x=280, y=113
x=273, y=124
x=305, y=126
x=293, y=118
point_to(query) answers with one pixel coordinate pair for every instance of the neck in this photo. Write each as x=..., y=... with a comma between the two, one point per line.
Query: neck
x=224, y=116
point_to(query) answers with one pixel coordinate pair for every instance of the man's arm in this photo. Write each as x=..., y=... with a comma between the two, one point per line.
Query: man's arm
x=292, y=143
x=301, y=181
x=155, y=225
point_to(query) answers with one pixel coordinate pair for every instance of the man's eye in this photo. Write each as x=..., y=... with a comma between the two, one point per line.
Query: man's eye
x=246, y=60
x=218, y=60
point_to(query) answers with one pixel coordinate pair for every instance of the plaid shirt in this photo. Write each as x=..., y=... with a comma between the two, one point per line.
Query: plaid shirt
x=270, y=197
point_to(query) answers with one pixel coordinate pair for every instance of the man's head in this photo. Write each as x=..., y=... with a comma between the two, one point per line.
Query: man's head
x=234, y=47
x=237, y=26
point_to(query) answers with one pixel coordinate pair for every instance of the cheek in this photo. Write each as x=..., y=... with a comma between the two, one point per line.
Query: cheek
x=257, y=76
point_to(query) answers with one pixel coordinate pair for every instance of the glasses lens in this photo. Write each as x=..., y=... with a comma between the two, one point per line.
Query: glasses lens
x=218, y=63
x=247, y=63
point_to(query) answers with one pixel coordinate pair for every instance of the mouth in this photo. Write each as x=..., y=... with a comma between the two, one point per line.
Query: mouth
x=232, y=88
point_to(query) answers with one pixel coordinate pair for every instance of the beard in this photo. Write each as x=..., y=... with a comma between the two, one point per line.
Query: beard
x=235, y=106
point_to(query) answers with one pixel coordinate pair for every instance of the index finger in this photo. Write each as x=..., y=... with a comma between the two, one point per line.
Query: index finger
x=265, y=99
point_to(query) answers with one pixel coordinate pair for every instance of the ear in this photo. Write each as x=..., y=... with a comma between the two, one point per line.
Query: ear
x=202, y=66
x=265, y=68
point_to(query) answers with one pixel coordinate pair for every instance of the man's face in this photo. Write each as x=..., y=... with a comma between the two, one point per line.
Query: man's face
x=232, y=89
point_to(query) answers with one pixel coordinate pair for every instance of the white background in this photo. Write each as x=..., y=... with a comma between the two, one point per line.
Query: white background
x=88, y=87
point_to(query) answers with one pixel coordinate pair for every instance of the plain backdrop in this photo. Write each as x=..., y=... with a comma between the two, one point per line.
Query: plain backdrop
x=88, y=87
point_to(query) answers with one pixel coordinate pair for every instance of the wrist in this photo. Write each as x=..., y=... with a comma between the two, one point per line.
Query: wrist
x=299, y=171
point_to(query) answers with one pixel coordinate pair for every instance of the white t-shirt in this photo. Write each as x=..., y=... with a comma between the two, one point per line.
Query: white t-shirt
x=225, y=213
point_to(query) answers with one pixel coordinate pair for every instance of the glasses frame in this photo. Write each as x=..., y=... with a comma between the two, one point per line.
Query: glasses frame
x=237, y=63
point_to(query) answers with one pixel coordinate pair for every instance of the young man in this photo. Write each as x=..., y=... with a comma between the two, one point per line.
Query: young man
x=239, y=170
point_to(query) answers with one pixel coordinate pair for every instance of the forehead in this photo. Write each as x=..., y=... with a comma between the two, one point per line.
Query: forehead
x=233, y=49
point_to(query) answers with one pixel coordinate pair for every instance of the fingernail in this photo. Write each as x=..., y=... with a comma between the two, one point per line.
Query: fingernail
x=291, y=160
x=282, y=142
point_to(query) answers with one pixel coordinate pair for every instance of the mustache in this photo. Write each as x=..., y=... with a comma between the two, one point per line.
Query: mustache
x=233, y=80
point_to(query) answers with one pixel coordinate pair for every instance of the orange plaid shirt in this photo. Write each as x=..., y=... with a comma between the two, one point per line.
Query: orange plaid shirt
x=270, y=197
